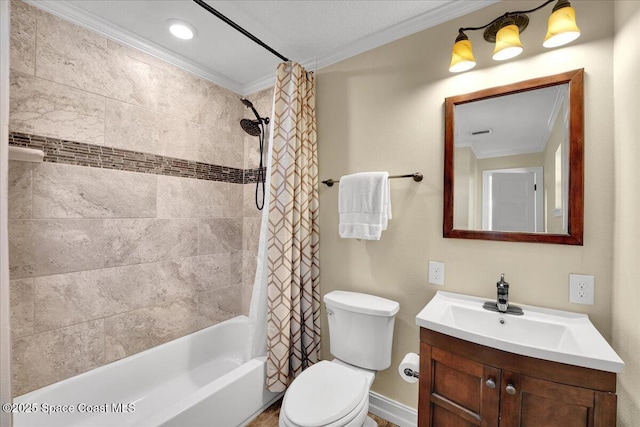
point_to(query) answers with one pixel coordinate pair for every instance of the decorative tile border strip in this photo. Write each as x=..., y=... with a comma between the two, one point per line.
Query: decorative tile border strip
x=98, y=156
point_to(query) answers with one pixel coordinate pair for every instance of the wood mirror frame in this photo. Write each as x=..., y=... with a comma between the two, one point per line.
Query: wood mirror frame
x=575, y=215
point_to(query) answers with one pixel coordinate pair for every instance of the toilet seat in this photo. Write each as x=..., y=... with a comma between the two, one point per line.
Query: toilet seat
x=326, y=394
x=354, y=419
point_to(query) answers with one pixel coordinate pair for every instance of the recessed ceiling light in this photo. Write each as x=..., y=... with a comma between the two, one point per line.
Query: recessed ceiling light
x=181, y=29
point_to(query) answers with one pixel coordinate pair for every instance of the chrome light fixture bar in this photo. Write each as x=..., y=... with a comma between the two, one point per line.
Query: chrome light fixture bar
x=505, y=31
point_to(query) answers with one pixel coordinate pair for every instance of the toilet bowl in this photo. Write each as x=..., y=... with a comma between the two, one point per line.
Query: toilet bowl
x=336, y=393
x=328, y=394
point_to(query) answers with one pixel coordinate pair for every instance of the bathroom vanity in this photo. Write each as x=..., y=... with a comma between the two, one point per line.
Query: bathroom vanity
x=546, y=368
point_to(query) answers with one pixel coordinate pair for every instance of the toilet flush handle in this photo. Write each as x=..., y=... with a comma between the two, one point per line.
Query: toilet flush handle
x=329, y=312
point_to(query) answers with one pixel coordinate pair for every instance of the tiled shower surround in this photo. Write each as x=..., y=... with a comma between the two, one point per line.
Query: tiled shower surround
x=109, y=259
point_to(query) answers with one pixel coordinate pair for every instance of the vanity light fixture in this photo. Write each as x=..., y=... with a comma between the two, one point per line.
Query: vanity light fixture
x=505, y=31
x=181, y=29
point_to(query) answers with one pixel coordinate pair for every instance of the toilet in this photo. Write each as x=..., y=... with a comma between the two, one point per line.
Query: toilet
x=336, y=393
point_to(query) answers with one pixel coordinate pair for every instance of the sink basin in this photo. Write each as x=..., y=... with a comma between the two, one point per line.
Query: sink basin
x=559, y=336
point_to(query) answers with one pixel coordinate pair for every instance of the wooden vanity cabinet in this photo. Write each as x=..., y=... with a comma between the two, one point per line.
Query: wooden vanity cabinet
x=463, y=384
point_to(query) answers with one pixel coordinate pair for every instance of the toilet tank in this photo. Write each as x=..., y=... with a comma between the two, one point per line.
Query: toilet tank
x=361, y=328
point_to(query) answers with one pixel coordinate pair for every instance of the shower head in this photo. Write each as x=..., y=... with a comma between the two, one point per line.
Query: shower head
x=252, y=127
x=256, y=128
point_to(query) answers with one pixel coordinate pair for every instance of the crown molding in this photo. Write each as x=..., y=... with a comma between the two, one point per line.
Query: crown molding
x=444, y=13
x=72, y=13
x=261, y=84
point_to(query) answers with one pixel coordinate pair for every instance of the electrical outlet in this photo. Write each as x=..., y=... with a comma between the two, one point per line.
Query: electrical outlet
x=436, y=273
x=581, y=289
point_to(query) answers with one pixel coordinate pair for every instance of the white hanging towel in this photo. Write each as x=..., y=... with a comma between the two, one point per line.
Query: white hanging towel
x=364, y=205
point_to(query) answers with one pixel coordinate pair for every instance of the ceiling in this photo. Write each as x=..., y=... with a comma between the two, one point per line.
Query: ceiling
x=315, y=33
x=509, y=125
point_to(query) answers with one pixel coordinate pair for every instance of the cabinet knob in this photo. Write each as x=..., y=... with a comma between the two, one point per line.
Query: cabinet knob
x=490, y=383
x=510, y=389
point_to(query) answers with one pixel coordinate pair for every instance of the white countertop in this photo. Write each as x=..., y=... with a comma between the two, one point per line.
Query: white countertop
x=555, y=335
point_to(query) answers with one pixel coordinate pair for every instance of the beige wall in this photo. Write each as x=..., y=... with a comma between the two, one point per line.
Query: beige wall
x=626, y=290
x=384, y=110
x=106, y=263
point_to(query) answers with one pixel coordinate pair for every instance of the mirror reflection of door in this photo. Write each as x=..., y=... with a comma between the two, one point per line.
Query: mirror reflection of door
x=511, y=200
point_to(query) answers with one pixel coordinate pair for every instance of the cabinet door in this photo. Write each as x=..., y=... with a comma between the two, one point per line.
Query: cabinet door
x=531, y=402
x=456, y=392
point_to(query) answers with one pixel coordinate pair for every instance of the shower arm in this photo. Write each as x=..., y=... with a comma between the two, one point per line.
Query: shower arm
x=264, y=120
x=238, y=28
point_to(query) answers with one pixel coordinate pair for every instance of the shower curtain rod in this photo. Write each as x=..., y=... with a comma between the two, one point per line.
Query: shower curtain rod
x=238, y=28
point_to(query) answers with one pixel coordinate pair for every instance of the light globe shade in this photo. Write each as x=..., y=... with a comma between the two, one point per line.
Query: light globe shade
x=462, y=58
x=562, y=28
x=507, y=43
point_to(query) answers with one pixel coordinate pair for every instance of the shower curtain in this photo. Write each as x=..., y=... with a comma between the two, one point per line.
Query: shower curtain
x=287, y=277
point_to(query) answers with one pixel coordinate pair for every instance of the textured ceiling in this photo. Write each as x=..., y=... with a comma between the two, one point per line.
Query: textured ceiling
x=315, y=33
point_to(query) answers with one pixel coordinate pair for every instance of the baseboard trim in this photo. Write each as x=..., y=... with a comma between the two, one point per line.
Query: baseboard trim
x=392, y=411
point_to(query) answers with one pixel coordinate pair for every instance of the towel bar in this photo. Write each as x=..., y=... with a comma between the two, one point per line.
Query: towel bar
x=417, y=177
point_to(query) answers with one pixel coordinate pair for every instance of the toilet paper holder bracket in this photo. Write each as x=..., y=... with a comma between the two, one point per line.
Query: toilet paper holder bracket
x=411, y=373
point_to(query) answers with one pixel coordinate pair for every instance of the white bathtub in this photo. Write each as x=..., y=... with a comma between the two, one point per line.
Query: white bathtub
x=197, y=380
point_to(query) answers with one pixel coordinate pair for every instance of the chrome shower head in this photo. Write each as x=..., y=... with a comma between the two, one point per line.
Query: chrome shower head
x=252, y=127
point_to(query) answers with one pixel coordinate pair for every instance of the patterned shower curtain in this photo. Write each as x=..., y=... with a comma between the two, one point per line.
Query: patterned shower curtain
x=293, y=320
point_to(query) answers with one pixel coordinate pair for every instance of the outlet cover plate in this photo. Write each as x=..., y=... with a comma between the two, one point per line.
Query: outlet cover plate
x=436, y=273
x=581, y=289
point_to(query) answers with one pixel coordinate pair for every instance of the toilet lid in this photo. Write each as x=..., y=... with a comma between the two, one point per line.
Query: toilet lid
x=323, y=394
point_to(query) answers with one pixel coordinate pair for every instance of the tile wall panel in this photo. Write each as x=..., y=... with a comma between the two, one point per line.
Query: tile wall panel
x=131, y=232
x=52, y=356
x=23, y=38
x=47, y=108
x=136, y=241
x=206, y=272
x=41, y=247
x=136, y=331
x=22, y=304
x=220, y=235
x=194, y=198
x=207, y=103
x=19, y=202
x=65, y=191
x=236, y=268
x=66, y=299
x=218, y=305
x=251, y=234
x=249, y=264
x=79, y=58
x=219, y=147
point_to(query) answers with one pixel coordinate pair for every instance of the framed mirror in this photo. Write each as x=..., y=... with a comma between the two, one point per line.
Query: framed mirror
x=513, y=162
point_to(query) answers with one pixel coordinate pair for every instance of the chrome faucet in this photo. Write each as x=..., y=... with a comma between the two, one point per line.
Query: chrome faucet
x=502, y=301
